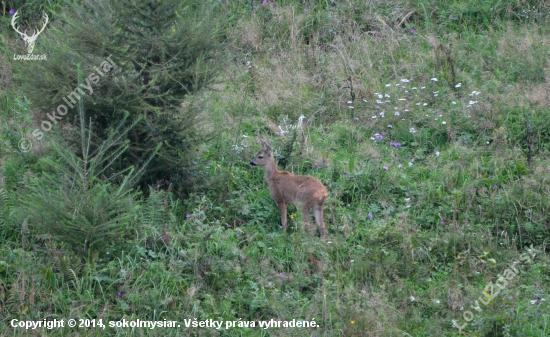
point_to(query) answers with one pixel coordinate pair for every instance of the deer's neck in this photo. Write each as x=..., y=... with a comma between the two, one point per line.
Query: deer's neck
x=270, y=170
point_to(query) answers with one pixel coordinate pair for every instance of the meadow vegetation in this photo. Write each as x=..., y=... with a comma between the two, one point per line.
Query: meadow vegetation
x=428, y=121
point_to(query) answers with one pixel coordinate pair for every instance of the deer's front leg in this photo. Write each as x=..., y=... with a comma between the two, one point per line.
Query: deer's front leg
x=282, y=210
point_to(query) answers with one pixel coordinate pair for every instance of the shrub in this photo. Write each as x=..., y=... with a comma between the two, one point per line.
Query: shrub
x=163, y=51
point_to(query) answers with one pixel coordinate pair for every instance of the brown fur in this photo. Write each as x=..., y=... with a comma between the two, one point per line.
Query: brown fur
x=286, y=188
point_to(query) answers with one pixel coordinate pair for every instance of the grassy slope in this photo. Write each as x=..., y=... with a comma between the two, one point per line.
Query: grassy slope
x=459, y=201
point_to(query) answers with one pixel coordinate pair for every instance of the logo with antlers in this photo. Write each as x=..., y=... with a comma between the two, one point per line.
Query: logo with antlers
x=29, y=40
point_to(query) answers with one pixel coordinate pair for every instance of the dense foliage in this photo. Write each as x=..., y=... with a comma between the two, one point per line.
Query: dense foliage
x=426, y=120
x=161, y=52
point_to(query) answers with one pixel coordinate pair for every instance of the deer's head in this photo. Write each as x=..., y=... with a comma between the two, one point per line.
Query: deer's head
x=264, y=155
x=29, y=40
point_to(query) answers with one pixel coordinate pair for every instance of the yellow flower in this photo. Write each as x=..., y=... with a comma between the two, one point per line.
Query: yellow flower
x=352, y=322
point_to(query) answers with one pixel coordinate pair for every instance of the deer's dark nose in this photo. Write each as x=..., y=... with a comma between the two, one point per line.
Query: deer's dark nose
x=252, y=163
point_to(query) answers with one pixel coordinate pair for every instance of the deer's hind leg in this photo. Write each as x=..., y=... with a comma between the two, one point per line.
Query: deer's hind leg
x=305, y=215
x=318, y=211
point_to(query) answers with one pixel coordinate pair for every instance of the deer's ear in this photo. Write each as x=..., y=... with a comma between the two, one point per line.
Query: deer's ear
x=264, y=143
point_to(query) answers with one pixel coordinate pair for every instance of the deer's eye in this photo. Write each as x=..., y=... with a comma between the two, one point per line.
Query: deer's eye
x=260, y=157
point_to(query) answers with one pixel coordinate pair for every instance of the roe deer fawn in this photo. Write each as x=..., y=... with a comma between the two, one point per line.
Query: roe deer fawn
x=286, y=188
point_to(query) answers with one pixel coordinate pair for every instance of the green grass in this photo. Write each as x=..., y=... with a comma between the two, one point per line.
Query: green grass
x=409, y=249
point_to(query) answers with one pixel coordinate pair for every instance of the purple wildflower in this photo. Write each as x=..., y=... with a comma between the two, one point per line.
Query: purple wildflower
x=370, y=215
x=281, y=227
x=12, y=11
x=188, y=216
x=379, y=137
x=356, y=119
x=495, y=186
x=315, y=166
x=395, y=144
x=265, y=1
x=305, y=10
x=282, y=274
x=119, y=294
x=385, y=168
x=442, y=222
x=413, y=31
x=237, y=234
